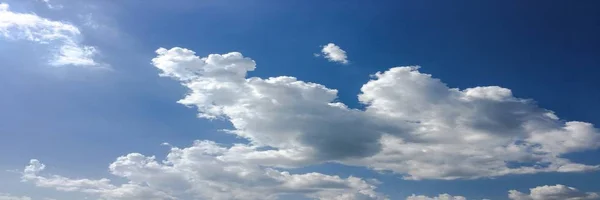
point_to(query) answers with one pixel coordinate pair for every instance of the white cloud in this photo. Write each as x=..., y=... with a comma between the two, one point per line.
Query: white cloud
x=555, y=192
x=470, y=133
x=439, y=197
x=64, y=38
x=296, y=117
x=201, y=171
x=51, y=5
x=6, y=196
x=413, y=124
x=334, y=53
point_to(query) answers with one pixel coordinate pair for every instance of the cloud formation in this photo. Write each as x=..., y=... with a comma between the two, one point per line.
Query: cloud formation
x=413, y=124
x=203, y=171
x=334, y=53
x=554, y=192
x=62, y=37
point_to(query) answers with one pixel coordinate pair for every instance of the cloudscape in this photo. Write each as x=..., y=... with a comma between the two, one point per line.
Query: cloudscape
x=341, y=100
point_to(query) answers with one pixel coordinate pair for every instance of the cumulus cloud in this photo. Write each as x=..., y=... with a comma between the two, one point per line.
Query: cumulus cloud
x=555, y=192
x=62, y=37
x=6, y=196
x=439, y=197
x=334, y=53
x=299, y=119
x=470, y=133
x=413, y=124
x=201, y=171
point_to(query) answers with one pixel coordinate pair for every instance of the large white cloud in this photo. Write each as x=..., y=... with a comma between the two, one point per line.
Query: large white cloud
x=470, y=133
x=554, y=192
x=413, y=124
x=334, y=53
x=201, y=171
x=299, y=119
x=62, y=37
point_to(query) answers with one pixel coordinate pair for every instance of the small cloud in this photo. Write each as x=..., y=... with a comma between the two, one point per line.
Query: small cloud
x=333, y=53
x=88, y=21
x=51, y=5
x=167, y=144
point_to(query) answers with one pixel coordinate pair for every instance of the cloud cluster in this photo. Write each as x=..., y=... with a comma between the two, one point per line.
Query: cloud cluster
x=334, y=53
x=202, y=171
x=413, y=124
x=554, y=192
x=64, y=38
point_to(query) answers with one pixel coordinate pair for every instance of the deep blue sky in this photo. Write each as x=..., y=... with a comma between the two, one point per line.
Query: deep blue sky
x=547, y=51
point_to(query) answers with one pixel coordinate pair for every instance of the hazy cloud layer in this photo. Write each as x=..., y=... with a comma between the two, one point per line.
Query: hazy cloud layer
x=6, y=196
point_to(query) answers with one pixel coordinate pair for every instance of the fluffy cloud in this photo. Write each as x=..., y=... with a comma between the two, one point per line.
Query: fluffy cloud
x=101, y=187
x=334, y=53
x=5, y=196
x=299, y=119
x=201, y=171
x=63, y=37
x=470, y=133
x=413, y=124
x=439, y=197
x=555, y=192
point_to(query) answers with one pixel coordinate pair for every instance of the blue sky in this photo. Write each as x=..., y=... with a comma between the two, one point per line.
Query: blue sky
x=82, y=92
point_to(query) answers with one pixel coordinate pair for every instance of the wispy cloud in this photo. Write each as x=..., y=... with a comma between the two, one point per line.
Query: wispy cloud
x=439, y=197
x=63, y=38
x=51, y=5
x=6, y=196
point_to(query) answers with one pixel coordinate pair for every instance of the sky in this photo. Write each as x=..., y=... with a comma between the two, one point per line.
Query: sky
x=299, y=99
